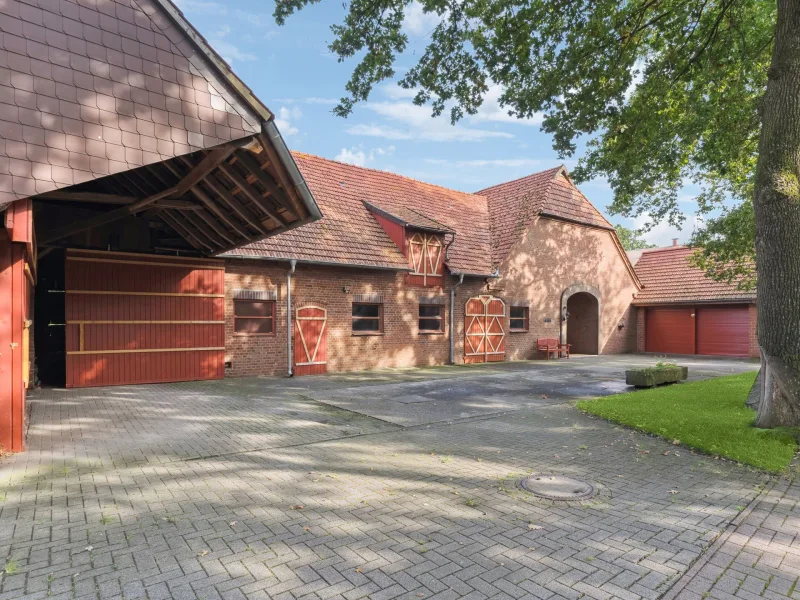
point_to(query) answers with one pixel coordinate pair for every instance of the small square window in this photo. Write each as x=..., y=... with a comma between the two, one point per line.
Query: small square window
x=431, y=318
x=367, y=318
x=254, y=317
x=519, y=318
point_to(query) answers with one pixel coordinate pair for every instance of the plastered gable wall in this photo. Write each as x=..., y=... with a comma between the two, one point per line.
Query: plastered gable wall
x=552, y=255
x=400, y=345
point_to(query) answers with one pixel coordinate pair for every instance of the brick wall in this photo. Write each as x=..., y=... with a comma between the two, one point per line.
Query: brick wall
x=641, y=340
x=400, y=345
x=550, y=257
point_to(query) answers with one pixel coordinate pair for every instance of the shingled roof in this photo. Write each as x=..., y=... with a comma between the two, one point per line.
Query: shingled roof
x=669, y=278
x=485, y=224
x=513, y=204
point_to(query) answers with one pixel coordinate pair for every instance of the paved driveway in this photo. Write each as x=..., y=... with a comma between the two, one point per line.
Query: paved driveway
x=254, y=489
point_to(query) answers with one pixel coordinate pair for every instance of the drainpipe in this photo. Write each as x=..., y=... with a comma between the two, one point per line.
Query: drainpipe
x=292, y=265
x=452, y=320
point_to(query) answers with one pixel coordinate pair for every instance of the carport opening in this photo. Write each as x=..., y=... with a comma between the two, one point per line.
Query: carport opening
x=583, y=323
x=49, y=319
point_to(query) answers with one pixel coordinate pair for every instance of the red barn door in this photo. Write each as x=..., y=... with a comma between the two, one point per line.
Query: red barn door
x=484, y=330
x=135, y=318
x=310, y=341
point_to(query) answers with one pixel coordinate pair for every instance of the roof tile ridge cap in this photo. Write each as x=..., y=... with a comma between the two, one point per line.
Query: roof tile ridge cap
x=382, y=172
x=667, y=249
x=518, y=179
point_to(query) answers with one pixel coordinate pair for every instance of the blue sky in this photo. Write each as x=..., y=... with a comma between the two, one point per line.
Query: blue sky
x=291, y=70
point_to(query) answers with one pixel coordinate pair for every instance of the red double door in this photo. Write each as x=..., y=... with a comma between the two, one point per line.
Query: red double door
x=709, y=330
x=484, y=330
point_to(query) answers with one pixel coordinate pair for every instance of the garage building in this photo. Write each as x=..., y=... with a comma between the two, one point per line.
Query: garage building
x=681, y=311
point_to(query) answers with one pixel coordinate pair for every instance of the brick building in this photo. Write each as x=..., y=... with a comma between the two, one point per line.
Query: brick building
x=381, y=264
x=681, y=311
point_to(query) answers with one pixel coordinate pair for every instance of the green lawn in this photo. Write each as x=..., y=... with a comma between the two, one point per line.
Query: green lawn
x=707, y=415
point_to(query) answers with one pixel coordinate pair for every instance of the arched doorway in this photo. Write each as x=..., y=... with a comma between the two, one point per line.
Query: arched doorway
x=580, y=323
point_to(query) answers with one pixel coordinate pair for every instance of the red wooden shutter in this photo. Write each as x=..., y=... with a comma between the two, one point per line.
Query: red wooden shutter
x=135, y=318
x=426, y=259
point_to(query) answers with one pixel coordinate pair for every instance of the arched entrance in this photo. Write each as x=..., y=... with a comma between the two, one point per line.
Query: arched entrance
x=580, y=319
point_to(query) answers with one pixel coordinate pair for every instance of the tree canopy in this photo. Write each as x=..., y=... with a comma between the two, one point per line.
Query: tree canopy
x=663, y=92
x=631, y=239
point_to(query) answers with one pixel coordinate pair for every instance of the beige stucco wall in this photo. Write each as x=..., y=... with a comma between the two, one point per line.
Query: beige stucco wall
x=553, y=255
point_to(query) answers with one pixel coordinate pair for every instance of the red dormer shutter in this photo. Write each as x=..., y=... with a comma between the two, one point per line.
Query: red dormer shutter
x=426, y=259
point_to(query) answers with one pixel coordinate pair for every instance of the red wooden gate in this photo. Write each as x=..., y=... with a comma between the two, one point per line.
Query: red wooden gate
x=135, y=318
x=484, y=331
x=310, y=340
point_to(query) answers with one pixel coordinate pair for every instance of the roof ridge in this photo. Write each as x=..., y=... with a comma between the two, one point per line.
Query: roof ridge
x=384, y=172
x=557, y=168
x=666, y=249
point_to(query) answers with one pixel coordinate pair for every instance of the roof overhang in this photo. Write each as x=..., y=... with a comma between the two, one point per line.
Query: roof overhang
x=685, y=302
x=216, y=199
x=420, y=222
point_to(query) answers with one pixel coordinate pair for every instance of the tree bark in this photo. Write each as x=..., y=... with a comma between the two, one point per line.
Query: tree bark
x=777, y=215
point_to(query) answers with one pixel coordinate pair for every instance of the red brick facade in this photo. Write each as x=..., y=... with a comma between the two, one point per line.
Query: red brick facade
x=532, y=276
x=400, y=344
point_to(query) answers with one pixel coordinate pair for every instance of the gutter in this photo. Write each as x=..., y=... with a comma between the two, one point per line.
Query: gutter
x=452, y=320
x=292, y=265
x=320, y=263
x=275, y=138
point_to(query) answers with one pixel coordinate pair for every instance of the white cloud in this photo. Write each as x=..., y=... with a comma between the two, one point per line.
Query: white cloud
x=491, y=111
x=661, y=234
x=284, y=119
x=417, y=22
x=308, y=100
x=478, y=163
x=357, y=155
x=415, y=122
x=228, y=51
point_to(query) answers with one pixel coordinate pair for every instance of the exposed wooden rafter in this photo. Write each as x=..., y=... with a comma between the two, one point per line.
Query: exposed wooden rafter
x=88, y=197
x=225, y=195
x=251, y=192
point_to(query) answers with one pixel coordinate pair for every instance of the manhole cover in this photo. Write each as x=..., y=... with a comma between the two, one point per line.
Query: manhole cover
x=557, y=487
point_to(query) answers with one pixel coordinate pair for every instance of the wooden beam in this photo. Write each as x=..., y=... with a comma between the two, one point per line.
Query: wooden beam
x=283, y=177
x=204, y=167
x=176, y=204
x=220, y=190
x=251, y=192
x=105, y=218
x=265, y=179
x=202, y=226
x=184, y=232
x=211, y=205
x=87, y=197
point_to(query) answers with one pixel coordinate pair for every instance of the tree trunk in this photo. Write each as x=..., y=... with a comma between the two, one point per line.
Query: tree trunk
x=777, y=211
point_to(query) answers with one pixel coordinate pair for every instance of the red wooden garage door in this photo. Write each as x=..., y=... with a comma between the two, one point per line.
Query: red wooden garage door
x=670, y=330
x=134, y=318
x=723, y=330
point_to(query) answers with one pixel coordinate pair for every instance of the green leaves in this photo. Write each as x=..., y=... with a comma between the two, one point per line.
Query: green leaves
x=667, y=90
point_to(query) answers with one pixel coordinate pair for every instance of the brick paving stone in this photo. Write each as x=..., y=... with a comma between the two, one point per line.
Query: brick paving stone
x=250, y=489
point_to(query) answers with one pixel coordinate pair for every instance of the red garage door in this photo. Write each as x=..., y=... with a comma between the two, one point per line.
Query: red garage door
x=134, y=318
x=723, y=330
x=670, y=330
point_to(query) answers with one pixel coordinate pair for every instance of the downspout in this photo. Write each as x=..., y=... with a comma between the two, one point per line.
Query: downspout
x=292, y=265
x=452, y=320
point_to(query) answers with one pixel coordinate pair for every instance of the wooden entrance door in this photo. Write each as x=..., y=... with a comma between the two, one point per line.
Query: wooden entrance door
x=484, y=330
x=310, y=341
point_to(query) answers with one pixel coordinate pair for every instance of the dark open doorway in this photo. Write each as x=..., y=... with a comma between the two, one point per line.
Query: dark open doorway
x=48, y=320
x=583, y=323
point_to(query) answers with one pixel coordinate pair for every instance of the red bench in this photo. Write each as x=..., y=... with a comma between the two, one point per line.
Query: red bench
x=552, y=346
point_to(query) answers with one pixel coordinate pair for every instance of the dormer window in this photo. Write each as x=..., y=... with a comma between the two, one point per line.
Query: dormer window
x=426, y=259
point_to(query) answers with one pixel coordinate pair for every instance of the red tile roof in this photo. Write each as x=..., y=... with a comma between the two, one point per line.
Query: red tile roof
x=485, y=223
x=94, y=88
x=349, y=234
x=408, y=217
x=513, y=204
x=669, y=278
